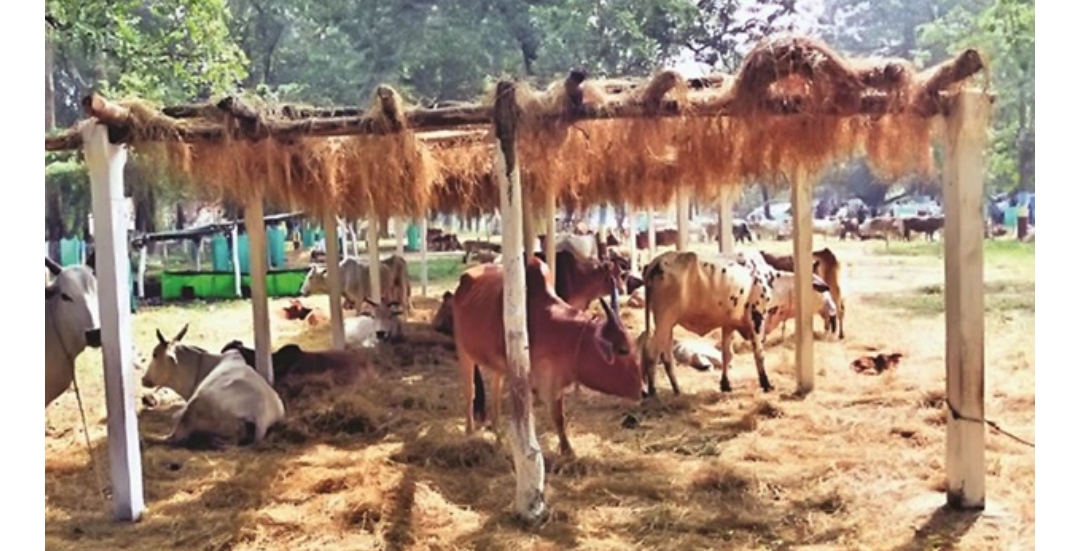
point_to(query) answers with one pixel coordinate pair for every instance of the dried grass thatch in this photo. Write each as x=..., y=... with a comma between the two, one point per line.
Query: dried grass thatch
x=795, y=106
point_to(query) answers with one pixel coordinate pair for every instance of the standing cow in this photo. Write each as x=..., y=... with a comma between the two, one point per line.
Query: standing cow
x=356, y=281
x=71, y=324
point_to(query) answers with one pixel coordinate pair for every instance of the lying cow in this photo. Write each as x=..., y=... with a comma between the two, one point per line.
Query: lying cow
x=71, y=324
x=292, y=361
x=226, y=400
x=566, y=345
x=355, y=282
x=704, y=292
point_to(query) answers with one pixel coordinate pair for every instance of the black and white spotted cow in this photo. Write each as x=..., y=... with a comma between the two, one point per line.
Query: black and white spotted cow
x=736, y=292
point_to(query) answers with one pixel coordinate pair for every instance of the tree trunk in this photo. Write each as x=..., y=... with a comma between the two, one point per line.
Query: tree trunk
x=765, y=199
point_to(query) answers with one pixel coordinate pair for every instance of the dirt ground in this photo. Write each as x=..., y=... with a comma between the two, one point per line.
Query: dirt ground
x=385, y=464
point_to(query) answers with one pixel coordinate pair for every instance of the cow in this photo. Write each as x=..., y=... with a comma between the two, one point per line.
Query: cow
x=579, y=281
x=773, y=228
x=733, y=292
x=883, y=227
x=668, y=237
x=566, y=345
x=226, y=400
x=827, y=267
x=742, y=232
x=71, y=324
x=292, y=361
x=827, y=227
x=443, y=320
x=929, y=226
x=697, y=353
x=381, y=324
x=849, y=227
x=400, y=288
x=355, y=282
x=472, y=247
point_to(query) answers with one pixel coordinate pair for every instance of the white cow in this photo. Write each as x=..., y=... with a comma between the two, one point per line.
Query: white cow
x=828, y=227
x=71, y=324
x=355, y=281
x=227, y=400
x=383, y=323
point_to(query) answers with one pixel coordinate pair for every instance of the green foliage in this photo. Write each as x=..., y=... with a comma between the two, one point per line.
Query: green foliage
x=70, y=179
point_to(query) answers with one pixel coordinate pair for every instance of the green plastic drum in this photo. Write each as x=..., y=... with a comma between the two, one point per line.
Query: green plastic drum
x=220, y=253
x=412, y=235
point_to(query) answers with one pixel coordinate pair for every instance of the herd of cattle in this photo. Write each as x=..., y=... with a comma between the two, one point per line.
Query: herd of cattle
x=750, y=293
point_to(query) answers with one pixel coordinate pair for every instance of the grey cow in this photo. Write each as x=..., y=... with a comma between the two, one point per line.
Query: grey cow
x=355, y=282
x=71, y=324
x=227, y=401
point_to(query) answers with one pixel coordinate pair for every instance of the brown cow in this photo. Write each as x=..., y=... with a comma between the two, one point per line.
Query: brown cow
x=664, y=238
x=732, y=292
x=827, y=267
x=927, y=225
x=566, y=345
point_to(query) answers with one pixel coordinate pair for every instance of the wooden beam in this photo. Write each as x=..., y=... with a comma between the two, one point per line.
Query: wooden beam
x=965, y=438
x=105, y=165
x=528, y=458
x=373, y=259
x=724, y=228
x=333, y=276
x=260, y=308
x=682, y=218
x=802, y=240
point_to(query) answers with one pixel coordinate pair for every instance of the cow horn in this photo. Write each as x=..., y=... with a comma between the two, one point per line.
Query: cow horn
x=180, y=335
x=615, y=297
x=607, y=310
x=53, y=266
x=161, y=338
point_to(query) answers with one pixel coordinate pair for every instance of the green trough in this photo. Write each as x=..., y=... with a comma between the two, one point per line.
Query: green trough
x=190, y=285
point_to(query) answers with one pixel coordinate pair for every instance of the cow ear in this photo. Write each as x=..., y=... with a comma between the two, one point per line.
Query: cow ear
x=161, y=338
x=180, y=335
x=50, y=291
x=606, y=350
x=447, y=295
x=370, y=302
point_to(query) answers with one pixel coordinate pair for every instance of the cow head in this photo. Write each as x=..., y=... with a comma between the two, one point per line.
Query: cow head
x=443, y=322
x=72, y=299
x=315, y=282
x=387, y=315
x=163, y=361
x=610, y=363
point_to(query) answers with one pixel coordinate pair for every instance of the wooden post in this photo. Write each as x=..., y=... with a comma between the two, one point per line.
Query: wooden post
x=333, y=276
x=802, y=235
x=105, y=164
x=236, y=259
x=528, y=459
x=965, y=440
x=260, y=308
x=682, y=217
x=631, y=215
x=423, y=256
x=373, y=258
x=724, y=229
x=399, y=236
x=142, y=271
x=652, y=234
x=549, y=247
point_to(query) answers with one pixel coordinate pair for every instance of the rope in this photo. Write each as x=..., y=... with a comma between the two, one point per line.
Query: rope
x=958, y=417
x=89, y=449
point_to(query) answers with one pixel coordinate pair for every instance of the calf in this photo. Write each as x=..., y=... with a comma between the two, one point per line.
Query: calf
x=704, y=292
x=827, y=267
x=226, y=401
x=566, y=345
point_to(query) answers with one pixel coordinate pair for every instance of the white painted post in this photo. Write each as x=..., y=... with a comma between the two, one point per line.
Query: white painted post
x=652, y=234
x=260, y=308
x=236, y=258
x=333, y=275
x=423, y=256
x=105, y=164
x=142, y=271
x=528, y=225
x=399, y=235
x=198, y=255
x=549, y=247
x=802, y=234
x=965, y=440
x=725, y=230
x=373, y=258
x=682, y=217
x=528, y=458
x=631, y=214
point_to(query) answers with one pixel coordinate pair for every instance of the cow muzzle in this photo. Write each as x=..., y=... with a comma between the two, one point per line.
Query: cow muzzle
x=146, y=383
x=93, y=338
x=381, y=335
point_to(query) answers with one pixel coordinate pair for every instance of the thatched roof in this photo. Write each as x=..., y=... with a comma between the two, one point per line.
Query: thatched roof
x=794, y=105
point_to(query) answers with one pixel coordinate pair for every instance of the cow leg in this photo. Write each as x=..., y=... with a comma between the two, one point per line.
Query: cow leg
x=496, y=404
x=558, y=416
x=840, y=317
x=664, y=342
x=759, y=359
x=467, y=365
x=726, y=343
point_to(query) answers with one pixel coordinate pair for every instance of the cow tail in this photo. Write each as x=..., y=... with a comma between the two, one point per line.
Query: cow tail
x=479, y=404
